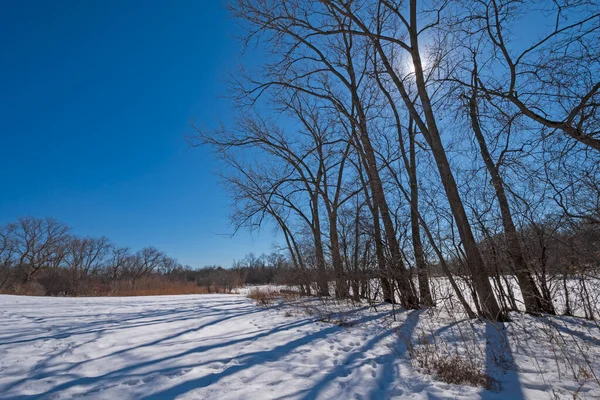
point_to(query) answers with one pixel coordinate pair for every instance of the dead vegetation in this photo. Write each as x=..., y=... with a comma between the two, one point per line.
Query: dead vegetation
x=263, y=297
x=154, y=286
x=147, y=286
x=433, y=356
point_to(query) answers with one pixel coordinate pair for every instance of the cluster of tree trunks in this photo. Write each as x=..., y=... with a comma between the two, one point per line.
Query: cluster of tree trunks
x=362, y=119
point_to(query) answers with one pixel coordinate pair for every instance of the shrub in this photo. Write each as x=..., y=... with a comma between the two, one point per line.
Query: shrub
x=31, y=288
x=289, y=295
x=155, y=286
x=263, y=298
x=447, y=365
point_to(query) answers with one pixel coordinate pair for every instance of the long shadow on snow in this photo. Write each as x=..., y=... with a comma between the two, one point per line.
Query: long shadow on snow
x=568, y=331
x=179, y=334
x=123, y=321
x=40, y=373
x=500, y=364
x=251, y=359
x=114, y=324
x=125, y=372
x=358, y=358
x=388, y=374
x=148, y=344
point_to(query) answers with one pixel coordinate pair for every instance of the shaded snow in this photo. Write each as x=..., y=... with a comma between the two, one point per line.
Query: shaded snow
x=224, y=347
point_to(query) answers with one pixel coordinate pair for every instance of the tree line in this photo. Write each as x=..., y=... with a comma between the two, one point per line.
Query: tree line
x=399, y=138
x=41, y=256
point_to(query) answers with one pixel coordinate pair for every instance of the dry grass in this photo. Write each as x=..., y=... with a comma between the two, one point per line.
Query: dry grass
x=453, y=369
x=289, y=295
x=438, y=360
x=31, y=288
x=152, y=287
x=341, y=322
x=263, y=298
x=157, y=291
x=146, y=286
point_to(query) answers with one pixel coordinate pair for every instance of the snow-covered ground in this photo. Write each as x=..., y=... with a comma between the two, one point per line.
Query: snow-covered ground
x=225, y=347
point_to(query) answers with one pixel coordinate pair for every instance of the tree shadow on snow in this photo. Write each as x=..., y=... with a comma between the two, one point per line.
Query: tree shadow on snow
x=48, y=368
x=500, y=365
x=358, y=358
x=381, y=377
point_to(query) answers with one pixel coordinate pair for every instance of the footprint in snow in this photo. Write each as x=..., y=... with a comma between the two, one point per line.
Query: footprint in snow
x=306, y=374
x=95, y=390
x=216, y=366
x=177, y=374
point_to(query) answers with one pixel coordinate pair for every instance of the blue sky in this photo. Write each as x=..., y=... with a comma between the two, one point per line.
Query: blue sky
x=96, y=98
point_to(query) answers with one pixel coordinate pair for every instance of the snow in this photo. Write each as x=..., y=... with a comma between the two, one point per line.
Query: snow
x=226, y=347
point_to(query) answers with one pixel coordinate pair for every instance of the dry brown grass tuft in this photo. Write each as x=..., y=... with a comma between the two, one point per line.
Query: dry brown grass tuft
x=437, y=360
x=289, y=295
x=263, y=298
x=158, y=287
x=455, y=369
x=30, y=288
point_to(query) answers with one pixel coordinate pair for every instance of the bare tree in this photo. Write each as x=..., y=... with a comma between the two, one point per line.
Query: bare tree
x=422, y=112
x=531, y=294
x=553, y=79
x=328, y=68
x=7, y=252
x=119, y=259
x=85, y=256
x=39, y=243
x=143, y=263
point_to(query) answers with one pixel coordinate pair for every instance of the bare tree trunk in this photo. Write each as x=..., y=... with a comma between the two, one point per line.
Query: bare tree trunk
x=363, y=142
x=485, y=293
x=341, y=286
x=531, y=294
x=411, y=166
x=322, y=284
x=386, y=286
x=422, y=276
x=447, y=271
x=355, y=290
x=408, y=298
x=429, y=129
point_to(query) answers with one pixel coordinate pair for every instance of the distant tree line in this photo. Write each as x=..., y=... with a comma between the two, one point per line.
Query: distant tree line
x=41, y=256
x=400, y=139
x=266, y=269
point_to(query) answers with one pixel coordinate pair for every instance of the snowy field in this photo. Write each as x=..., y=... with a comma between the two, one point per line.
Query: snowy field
x=225, y=347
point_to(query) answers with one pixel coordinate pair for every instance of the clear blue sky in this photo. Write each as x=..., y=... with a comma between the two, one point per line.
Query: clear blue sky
x=96, y=98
